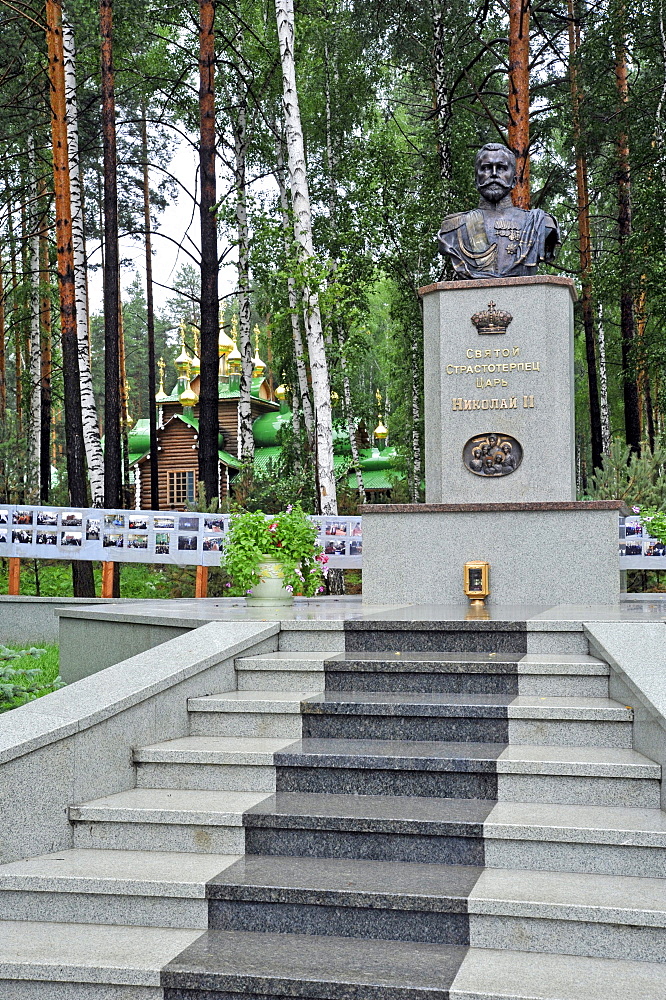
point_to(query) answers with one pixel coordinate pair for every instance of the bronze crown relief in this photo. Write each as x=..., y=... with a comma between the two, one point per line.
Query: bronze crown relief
x=492, y=320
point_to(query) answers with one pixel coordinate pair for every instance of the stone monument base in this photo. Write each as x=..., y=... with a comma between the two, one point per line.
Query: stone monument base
x=539, y=553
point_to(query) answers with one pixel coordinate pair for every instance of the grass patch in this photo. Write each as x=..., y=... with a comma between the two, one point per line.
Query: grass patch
x=26, y=677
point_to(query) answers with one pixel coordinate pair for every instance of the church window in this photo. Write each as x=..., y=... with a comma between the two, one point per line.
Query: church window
x=181, y=487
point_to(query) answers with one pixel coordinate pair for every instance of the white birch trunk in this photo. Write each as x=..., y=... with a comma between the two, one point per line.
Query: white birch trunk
x=349, y=413
x=244, y=330
x=300, y=199
x=603, y=382
x=416, y=419
x=93, y=445
x=34, y=433
x=299, y=353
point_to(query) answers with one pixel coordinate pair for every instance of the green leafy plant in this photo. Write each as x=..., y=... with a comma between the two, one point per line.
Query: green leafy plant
x=654, y=521
x=289, y=538
x=20, y=682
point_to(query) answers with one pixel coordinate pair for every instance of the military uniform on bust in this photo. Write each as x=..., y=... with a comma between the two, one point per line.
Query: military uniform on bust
x=498, y=240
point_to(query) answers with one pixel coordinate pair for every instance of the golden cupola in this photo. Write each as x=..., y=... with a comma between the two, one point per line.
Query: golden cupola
x=195, y=366
x=234, y=360
x=161, y=395
x=258, y=366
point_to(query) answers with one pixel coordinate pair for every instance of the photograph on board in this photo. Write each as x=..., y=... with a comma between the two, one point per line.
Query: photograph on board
x=46, y=537
x=48, y=517
x=137, y=523
x=112, y=541
x=137, y=541
x=22, y=517
x=114, y=521
x=164, y=522
x=71, y=537
x=4, y=516
x=213, y=544
x=3, y=536
x=214, y=523
x=188, y=523
x=22, y=537
x=162, y=543
x=71, y=519
x=93, y=528
x=187, y=543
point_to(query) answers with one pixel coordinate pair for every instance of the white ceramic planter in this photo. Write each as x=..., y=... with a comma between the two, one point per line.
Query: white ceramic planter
x=270, y=589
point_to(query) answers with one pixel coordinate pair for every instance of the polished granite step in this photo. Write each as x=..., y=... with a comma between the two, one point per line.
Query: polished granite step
x=477, y=718
x=281, y=671
x=164, y=819
x=346, y=898
x=374, y=827
x=272, y=714
x=145, y=888
x=543, y=674
x=213, y=763
x=598, y=775
x=236, y=963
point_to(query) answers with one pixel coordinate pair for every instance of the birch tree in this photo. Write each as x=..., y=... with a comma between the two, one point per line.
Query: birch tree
x=239, y=127
x=91, y=436
x=300, y=199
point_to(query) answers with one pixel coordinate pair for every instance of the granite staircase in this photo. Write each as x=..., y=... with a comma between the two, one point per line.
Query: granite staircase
x=382, y=824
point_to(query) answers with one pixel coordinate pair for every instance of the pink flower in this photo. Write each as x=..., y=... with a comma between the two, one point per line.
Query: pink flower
x=272, y=527
x=322, y=558
x=289, y=588
x=320, y=590
x=227, y=585
x=636, y=510
x=289, y=509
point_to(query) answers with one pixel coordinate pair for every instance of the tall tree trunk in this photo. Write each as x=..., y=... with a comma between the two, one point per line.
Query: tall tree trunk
x=244, y=327
x=603, y=380
x=442, y=97
x=632, y=421
x=584, y=238
x=150, y=317
x=299, y=352
x=349, y=414
x=35, y=425
x=3, y=365
x=124, y=409
x=113, y=491
x=45, y=352
x=208, y=379
x=416, y=421
x=300, y=199
x=16, y=320
x=76, y=467
x=94, y=453
x=519, y=97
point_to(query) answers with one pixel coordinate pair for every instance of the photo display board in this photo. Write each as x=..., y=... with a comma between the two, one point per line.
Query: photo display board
x=144, y=536
x=638, y=550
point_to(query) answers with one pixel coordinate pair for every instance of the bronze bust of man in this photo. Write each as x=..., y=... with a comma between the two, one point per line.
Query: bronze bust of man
x=498, y=240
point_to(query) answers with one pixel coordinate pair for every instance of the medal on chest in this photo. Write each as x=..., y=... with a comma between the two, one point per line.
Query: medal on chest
x=509, y=231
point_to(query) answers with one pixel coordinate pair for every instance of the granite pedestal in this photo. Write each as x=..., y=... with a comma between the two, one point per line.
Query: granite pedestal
x=538, y=553
x=518, y=383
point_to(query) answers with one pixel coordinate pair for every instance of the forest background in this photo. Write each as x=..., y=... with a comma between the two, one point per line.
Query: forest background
x=325, y=165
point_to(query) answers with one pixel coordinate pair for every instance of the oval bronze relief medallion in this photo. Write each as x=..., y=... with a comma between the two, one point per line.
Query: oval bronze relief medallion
x=492, y=454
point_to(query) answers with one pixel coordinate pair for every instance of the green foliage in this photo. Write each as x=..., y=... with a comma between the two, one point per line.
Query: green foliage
x=654, y=521
x=288, y=538
x=636, y=479
x=27, y=674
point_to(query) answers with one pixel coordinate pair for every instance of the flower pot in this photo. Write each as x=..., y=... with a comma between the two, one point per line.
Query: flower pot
x=270, y=589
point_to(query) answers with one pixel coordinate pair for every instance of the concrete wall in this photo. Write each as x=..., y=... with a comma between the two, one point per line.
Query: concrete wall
x=636, y=652
x=76, y=744
x=34, y=620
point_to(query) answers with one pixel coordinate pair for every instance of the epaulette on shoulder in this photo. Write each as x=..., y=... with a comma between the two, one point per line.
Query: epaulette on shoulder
x=452, y=222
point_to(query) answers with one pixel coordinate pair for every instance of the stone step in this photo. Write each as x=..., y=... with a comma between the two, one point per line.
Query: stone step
x=477, y=718
x=216, y=763
x=164, y=819
x=598, y=916
x=588, y=775
x=275, y=714
x=543, y=674
x=149, y=888
x=230, y=963
x=281, y=672
x=371, y=827
x=590, y=915
x=345, y=898
x=576, y=838
x=63, y=960
x=520, y=975
x=227, y=964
